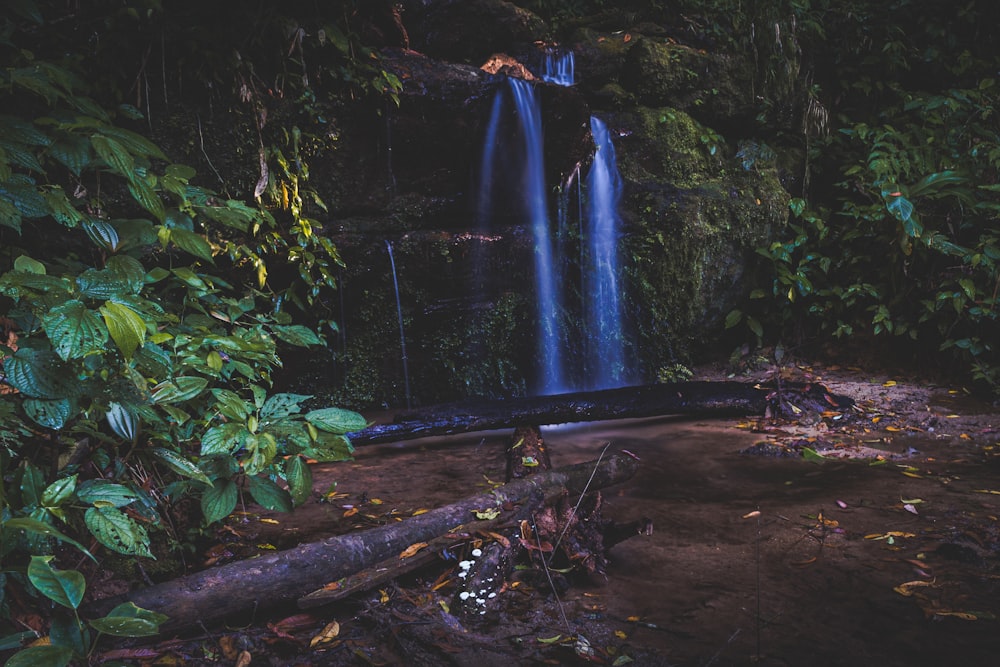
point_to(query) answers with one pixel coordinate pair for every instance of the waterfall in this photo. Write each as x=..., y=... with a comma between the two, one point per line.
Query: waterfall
x=559, y=68
x=533, y=189
x=399, y=317
x=601, y=289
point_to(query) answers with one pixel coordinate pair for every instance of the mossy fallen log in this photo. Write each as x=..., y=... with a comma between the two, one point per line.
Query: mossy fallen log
x=278, y=580
x=720, y=399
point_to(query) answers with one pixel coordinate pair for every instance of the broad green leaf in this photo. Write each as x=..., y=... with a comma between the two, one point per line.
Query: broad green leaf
x=40, y=374
x=114, y=155
x=280, y=406
x=95, y=491
x=133, y=142
x=122, y=421
x=901, y=207
x=65, y=587
x=230, y=405
x=219, y=501
x=32, y=483
x=180, y=389
x=336, y=420
x=224, y=439
x=59, y=491
x=329, y=448
x=125, y=627
x=128, y=620
x=734, y=317
x=29, y=265
x=134, y=233
x=62, y=210
x=103, y=234
x=127, y=328
x=269, y=495
x=67, y=631
x=181, y=465
x=147, y=197
x=74, y=152
x=193, y=243
x=50, y=413
x=117, y=531
x=296, y=334
x=74, y=330
x=298, y=474
x=42, y=529
x=41, y=656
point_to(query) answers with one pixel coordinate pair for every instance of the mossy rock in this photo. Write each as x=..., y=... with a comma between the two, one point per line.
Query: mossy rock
x=694, y=216
x=716, y=89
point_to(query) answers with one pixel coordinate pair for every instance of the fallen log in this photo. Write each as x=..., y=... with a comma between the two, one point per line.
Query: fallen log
x=721, y=399
x=280, y=579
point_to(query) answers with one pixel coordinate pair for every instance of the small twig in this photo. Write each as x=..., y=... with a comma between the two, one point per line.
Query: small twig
x=578, y=502
x=201, y=139
x=729, y=641
x=548, y=575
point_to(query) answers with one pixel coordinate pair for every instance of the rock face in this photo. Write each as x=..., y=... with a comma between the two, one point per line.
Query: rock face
x=693, y=212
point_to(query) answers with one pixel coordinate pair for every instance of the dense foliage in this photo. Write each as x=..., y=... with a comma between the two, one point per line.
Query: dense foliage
x=136, y=369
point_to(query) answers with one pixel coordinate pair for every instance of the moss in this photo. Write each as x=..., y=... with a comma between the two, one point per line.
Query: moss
x=698, y=216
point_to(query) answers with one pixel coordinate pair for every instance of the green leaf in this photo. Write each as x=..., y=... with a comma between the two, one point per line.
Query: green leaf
x=734, y=317
x=50, y=413
x=103, y=492
x=133, y=142
x=122, y=421
x=813, y=456
x=73, y=152
x=59, y=491
x=125, y=627
x=74, y=330
x=147, y=197
x=40, y=374
x=336, y=420
x=42, y=529
x=41, y=656
x=65, y=587
x=29, y=265
x=179, y=389
x=219, y=501
x=230, y=405
x=298, y=474
x=224, y=439
x=296, y=334
x=102, y=233
x=329, y=448
x=280, y=406
x=755, y=327
x=127, y=328
x=195, y=244
x=117, y=531
x=269, y=495
x=181, y=465
x=114, y=155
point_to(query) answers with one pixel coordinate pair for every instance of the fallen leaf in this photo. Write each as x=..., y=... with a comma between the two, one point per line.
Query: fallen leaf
x=244, y=659
x=383, y=596
x=889, y=383
x=326, y=635
x=910, y=508
x=420, y=511
x=752, y=515
x=486, y=515
x=803, y=563
x=907, y=589
x=351, y=512
x=274, y=521
x=620, y=634
x=549, y=640
x=412, y=549
x=841, y=504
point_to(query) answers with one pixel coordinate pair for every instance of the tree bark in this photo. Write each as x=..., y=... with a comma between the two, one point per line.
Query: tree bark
x=278, y=580
x=722, y=399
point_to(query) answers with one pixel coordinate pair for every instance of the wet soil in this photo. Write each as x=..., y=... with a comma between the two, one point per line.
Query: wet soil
x=864, y=537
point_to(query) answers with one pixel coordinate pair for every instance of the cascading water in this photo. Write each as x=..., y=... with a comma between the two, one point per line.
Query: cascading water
x=597, y=349
x=603, y=307
x=399, y=317
x=547, y=294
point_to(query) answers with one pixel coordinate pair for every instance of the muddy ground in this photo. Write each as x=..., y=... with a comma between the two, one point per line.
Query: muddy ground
x=877, y=543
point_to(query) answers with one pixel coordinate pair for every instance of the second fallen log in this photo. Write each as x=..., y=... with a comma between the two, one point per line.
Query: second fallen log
x=280, y=579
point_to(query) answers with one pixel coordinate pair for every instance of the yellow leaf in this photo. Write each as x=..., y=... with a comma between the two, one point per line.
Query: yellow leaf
x=633, y=619
x=912, y=474
x=351, y=512
x=383, y=596
x=951, y=416
x=995, y=493
x=549, y=640
x=894, y=429
x=326, y=635
x=265, y=545
x=274, y=521
x=412, y=549
x=907, y=588
x=620, y=634
x=889, y=383
x=876, y=420
x=375, y=501
x=964, y=615
x=420, y=511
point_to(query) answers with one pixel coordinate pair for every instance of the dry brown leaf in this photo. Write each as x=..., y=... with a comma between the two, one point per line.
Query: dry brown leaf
x=326, y=635
x=412, y=549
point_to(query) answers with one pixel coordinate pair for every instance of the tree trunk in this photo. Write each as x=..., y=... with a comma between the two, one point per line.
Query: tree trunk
x=278, y=580
x=722, y=399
